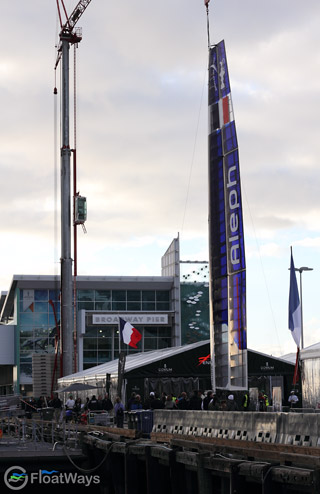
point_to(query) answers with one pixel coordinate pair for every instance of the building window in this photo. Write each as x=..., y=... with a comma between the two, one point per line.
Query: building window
x=149, y=300
x=162, y=300
x=102, y=300
x=124, y=300
x=41, y=295
x=86, y=305
x=118, y=300
x=85, y=295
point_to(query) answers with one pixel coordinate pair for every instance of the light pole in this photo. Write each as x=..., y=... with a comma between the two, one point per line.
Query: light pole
x=303, y=268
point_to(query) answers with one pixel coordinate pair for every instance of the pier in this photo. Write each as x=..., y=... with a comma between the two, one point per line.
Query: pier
x=193, y=452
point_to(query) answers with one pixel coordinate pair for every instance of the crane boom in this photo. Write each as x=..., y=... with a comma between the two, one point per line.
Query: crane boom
x=67, y=27
x=77, y=13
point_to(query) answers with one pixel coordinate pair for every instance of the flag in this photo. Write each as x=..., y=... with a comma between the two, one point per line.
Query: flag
x=206, y=2
x=129, y=334
x=294, y=306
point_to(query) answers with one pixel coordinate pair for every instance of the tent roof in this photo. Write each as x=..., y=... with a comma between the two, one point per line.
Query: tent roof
x=142, y=359
x=289, y=357
x=312, y=351
x=133, y=361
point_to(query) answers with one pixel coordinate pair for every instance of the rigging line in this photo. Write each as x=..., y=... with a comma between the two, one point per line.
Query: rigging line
x=193, y=152
x=262, y=268
x=55, y=172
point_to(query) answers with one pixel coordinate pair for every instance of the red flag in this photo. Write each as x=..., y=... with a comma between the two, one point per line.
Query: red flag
x=296, y=369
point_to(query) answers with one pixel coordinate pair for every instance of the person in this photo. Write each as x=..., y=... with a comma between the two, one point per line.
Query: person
x=86, y=405
x=263, y=401
x=93, y=404
x=119, y=412
x=155, y=402
x=183, y=403
x=206, y=400
x=163, y=397
x=30, y=407
x=70, y=403
x=212, y=405
x=246, y=401
x=69, y=408
x=231, y=404
x=147, y=403
x=170, y=403
x=99, y=403
x=131, y=400
x=293, y=399
x=57, y=405
x=136, y=405
x=195, y=400
x=107, y=403
x=41, y=402
x=78, y=408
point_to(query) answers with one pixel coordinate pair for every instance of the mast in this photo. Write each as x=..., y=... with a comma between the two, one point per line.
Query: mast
x=69, y=35
x=66, y=261
x=228, y=332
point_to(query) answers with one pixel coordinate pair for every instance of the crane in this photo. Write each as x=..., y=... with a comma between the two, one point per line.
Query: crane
x=69, y=35
x=67, y=27
x=75, y=15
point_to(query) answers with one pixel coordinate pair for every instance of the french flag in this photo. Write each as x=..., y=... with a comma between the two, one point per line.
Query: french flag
x=294, y=306
x=130, y=335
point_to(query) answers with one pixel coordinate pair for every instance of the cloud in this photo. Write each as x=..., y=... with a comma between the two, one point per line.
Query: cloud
x=142, y=132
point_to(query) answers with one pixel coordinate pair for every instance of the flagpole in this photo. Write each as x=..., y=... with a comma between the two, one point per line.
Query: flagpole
x=302, y=339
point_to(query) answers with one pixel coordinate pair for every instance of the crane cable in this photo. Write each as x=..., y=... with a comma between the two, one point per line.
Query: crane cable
x=206, y=3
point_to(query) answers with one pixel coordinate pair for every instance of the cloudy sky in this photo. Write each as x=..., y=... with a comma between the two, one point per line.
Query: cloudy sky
x=142, y=142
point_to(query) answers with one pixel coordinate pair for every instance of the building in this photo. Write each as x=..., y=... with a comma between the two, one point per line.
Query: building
x=32, y=307
x=168, y=310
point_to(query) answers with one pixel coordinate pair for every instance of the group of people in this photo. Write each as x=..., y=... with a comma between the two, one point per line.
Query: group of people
x=77, y=411
x=197, y=401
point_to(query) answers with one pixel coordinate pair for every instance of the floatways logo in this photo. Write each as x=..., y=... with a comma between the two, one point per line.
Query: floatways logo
x=16, y=478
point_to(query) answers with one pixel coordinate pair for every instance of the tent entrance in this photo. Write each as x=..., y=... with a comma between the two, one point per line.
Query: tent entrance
x=170, y=385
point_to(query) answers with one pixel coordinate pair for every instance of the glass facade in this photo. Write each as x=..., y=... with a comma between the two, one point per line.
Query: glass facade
x=124, y=300
x=194, y=293
x=38, y=311
x=101, y=342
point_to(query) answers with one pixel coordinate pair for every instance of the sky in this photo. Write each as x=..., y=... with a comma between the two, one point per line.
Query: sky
x=142, y=142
